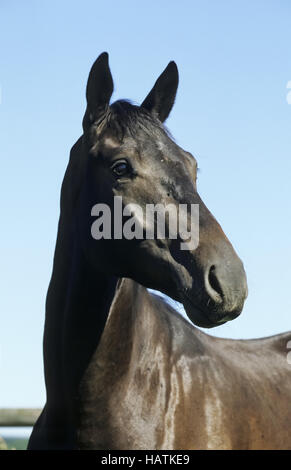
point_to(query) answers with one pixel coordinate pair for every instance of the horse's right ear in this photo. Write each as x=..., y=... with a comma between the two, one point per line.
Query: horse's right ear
x=161, y=98
x=99, y=90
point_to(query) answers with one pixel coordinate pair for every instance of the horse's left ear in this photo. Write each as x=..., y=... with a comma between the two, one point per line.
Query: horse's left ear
x=99, y=90
x=161, y=98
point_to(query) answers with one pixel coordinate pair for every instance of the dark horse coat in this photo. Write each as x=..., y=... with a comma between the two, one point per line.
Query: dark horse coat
x=123, y=370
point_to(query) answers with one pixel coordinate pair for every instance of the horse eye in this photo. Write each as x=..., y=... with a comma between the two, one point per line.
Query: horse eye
x=120, y=168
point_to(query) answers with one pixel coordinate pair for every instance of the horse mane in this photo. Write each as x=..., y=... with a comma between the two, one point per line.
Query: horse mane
x=125, y=118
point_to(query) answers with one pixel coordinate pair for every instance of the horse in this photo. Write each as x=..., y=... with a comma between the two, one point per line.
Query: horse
x=123, y=369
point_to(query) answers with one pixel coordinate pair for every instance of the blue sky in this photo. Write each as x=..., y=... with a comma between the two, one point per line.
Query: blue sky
x=231, y=112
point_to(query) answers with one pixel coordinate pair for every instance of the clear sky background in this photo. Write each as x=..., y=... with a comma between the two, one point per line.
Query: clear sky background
x=231, y=112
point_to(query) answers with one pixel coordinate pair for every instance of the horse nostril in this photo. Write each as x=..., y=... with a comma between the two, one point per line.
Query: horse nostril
x=215, y=291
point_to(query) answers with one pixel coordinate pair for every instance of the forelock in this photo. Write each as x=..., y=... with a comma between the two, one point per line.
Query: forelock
x=124, y=118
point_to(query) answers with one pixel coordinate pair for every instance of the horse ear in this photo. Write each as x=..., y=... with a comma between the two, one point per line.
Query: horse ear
x=161, y=98
x=99, y=90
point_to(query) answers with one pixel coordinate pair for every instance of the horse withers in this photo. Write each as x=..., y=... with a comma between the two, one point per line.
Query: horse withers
x=123, y=370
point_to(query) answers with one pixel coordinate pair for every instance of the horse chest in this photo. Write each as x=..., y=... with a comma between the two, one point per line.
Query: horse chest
x=150, y=404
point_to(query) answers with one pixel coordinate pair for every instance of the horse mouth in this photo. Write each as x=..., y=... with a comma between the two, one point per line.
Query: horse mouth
x=198, y=316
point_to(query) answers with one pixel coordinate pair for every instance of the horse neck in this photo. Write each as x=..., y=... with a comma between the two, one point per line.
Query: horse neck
x=78, y=299
x=78, y=303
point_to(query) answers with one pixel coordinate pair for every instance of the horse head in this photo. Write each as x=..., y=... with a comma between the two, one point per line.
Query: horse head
x=130, y=157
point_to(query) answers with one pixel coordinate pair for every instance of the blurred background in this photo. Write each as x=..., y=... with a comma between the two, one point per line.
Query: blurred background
x=233, y=112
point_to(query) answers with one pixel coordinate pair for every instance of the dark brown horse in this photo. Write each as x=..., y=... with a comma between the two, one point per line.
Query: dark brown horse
x=123, y=370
